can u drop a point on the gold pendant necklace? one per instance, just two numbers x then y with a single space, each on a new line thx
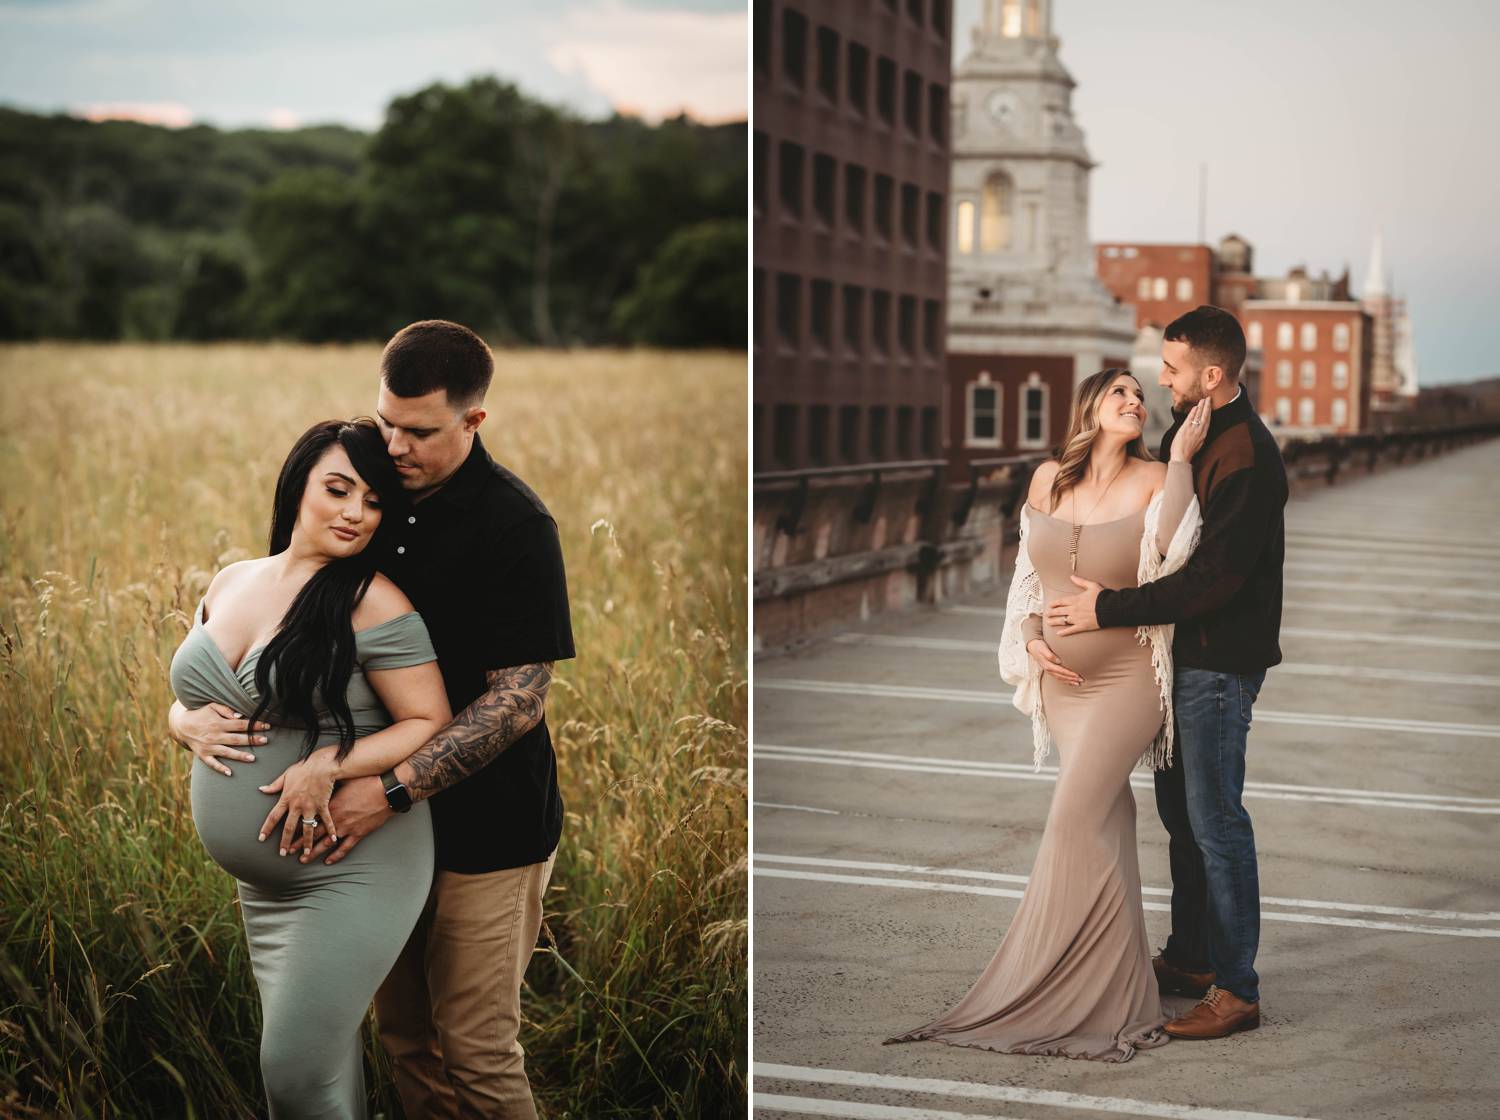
1078 525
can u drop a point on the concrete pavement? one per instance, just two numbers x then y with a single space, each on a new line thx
896 817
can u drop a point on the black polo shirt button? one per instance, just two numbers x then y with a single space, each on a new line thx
411 520
400 550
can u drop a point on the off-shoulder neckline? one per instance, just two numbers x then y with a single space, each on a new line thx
199 623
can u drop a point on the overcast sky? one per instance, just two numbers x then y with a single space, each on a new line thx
1320 123
283 63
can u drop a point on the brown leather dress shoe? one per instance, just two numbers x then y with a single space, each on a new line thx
1217 1015
1173 981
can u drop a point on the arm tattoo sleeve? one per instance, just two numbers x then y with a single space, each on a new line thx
510 707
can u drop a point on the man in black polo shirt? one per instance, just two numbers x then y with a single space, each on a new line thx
480 560
1226 604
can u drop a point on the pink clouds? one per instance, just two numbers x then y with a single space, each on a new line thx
656 64
172 114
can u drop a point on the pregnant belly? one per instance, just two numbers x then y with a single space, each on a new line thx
228 813
1098 655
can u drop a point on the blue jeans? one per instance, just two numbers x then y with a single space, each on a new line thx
1215 883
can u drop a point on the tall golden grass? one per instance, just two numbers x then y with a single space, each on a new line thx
128 475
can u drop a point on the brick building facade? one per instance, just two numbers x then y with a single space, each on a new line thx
1316 363
850 195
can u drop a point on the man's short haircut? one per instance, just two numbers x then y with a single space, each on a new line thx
1213 335
436 354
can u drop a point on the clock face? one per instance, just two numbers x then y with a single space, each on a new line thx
1003 107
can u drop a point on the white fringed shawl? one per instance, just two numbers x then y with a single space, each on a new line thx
1019 668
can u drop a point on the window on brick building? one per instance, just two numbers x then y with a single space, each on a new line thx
878 424
858 78
1283 410
1253 336
820 319
825 180
784 435
906 325
762 36
1309 336
937 112
1184 287
914 10
1283 336
1143 288
935 220
911 103
1341 336
929 433
1159 288
1340 412
790 162
983 413
760 169
911 205
817 435
885 90
1305 412
789 308
794 47
905 429
932 327
849 433
854 196
1309 374
885 197
758 306
1034 395
995 220
880 321
854 318
828 63
1341 375
963 227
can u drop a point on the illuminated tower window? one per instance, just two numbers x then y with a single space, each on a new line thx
994 226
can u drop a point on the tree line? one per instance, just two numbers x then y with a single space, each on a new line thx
473 202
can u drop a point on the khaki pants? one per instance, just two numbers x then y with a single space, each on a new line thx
450 1010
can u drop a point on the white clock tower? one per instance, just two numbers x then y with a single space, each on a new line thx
1021 277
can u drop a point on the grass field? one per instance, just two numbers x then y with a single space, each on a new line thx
131 474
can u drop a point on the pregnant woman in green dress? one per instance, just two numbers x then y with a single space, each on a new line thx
311 640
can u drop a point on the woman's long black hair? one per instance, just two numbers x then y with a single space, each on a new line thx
312 653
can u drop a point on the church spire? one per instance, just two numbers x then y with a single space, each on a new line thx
1375 276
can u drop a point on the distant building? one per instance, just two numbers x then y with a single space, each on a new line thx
1316 362
1160 281
850 194
1394 375
1027 316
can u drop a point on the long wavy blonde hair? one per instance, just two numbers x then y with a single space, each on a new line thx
1083 428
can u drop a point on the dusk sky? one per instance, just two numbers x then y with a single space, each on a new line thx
1319 123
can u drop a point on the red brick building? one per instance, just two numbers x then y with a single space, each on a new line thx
1006 404
1160 281
1317 359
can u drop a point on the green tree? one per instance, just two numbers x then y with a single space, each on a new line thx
692 292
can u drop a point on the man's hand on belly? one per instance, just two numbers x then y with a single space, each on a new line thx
360 807
1074 614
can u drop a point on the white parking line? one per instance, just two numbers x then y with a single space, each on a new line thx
797 808
1003 892
858 1110
974 645
1402 639
1162 892
1385 546
1015 1094
1400 612
1010 771
973 696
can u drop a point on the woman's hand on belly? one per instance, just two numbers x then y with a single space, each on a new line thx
214 732
304 791
1051 664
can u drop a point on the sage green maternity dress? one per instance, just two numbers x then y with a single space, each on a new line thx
321 938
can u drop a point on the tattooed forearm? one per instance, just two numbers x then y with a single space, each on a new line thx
510 707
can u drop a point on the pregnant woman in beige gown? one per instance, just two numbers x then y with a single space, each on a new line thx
1072 976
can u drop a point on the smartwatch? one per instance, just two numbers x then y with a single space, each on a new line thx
396 795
